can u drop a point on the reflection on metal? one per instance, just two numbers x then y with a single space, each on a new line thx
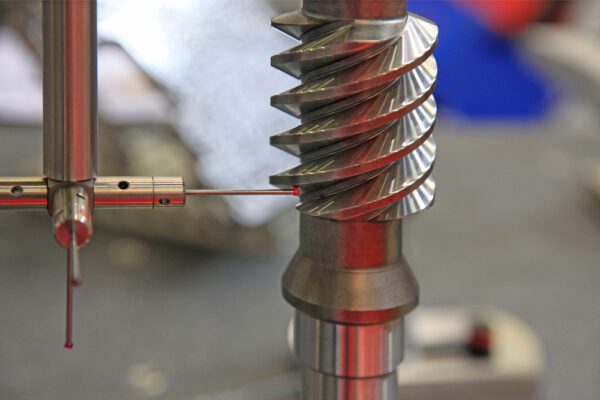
70 90
24 192
366 154
366 107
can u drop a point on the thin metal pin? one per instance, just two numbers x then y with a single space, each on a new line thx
76 278
72 265
244 192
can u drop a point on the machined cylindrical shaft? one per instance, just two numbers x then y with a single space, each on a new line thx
70 89
70 114
366 155
70 127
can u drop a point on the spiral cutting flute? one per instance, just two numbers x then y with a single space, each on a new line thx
366 155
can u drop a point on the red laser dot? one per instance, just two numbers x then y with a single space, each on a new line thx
296 191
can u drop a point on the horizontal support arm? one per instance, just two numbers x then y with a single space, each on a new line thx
23 193
120 192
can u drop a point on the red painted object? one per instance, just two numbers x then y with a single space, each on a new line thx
480 342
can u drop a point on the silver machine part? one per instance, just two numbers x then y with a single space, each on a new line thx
366 154
70 114
325 355
70 90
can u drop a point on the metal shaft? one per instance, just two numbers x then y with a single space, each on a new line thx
70 108
72 267
366 154
70 125
70 89
240 192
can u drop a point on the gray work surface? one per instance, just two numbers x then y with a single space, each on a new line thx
511 228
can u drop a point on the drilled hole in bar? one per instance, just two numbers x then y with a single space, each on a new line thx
123 185
16 191
164 201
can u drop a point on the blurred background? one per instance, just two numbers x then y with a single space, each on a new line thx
186 304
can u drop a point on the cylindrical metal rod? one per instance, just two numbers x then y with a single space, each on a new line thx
23 192
71 214
366 153
72 265
241 192
70 89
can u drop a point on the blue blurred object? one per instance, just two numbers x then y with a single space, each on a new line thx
482 75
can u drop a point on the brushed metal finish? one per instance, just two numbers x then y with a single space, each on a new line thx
70 90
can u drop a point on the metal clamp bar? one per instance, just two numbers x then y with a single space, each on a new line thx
120 192
23 193
139 192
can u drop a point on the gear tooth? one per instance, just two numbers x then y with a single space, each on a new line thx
411 134
324 49
402 96
295 23
365 142
416 202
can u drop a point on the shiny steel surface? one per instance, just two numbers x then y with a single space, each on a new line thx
366 155
70 89
350 272
319 386
124 191
140 191
349 339
367 114
70 125
71 211
72 267
237 192
25 192
168 191
120 192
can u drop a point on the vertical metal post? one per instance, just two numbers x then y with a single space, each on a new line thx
70 127
70 115
70 90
